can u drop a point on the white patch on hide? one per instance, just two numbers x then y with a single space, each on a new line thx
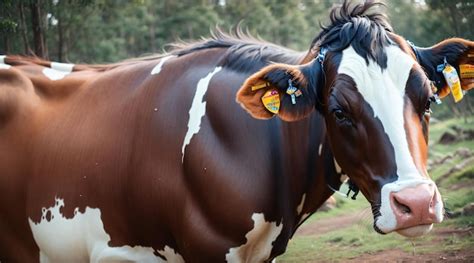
259 242
344 178
338 168
3 65
58 70
82 238
158 67
171 255
198 109
303 217
320 150
301 205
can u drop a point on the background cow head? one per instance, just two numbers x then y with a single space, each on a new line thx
374 91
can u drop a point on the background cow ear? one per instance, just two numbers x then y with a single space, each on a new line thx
268 92
458 52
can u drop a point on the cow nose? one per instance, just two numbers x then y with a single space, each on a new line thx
415 206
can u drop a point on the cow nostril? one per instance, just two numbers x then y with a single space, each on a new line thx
403 208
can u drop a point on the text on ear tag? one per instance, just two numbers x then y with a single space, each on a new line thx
271 101
466 71
452 79
260 86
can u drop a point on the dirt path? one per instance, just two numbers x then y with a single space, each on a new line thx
325 225
322 226
396 255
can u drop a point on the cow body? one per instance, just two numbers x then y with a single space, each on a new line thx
106 160
156 159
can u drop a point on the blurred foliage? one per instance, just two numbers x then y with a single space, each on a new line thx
99 31
102 31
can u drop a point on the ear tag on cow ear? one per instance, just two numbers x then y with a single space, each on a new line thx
260 86
298 93
452 78
466 71
292 91
271 100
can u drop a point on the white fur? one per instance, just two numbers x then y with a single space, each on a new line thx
303 217
158 67
198 109
344 178
259 241
170 255
338 168
384 91
3 65
58 70
82 238
320 150
299 208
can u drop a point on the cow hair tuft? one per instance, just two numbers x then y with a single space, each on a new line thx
244 53
364 26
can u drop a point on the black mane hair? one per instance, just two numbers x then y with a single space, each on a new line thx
244 52
363 26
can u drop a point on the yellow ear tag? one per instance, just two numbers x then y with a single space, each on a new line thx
260 86
452 78
271 100
467 71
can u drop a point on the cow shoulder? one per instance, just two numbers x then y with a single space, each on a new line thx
15 90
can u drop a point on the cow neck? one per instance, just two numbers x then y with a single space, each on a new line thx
307 166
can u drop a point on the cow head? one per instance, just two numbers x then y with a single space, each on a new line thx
374 91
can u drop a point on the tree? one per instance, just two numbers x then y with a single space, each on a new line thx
7 24
37 26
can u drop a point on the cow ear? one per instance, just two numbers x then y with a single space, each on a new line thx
457 52
285 90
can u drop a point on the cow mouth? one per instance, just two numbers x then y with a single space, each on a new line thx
376 213
413 231
377 229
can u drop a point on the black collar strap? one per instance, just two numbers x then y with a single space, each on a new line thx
435 84
415 50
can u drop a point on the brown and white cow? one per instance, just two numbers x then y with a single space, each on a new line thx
152 159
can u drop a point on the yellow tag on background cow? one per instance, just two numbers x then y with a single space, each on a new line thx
452 79
271 100
467 71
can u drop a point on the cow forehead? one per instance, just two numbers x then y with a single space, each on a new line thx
372 78
384 92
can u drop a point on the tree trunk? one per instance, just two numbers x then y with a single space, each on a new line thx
60 33
38 37
6 45
24 30
453 13
151 29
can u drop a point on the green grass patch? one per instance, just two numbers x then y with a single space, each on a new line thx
343 244
457 199
465 176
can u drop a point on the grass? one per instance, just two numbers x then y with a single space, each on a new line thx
360 238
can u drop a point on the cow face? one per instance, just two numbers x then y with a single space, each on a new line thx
377 119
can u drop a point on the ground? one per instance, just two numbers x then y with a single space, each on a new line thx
440 236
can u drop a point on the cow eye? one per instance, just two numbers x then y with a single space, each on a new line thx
340 116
